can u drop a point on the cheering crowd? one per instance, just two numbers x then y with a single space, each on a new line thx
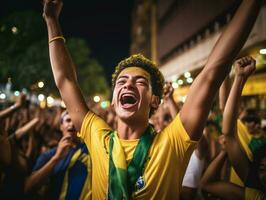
145 145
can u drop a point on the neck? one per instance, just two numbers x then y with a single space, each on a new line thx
128 131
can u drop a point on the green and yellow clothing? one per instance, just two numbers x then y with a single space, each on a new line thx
249 143
165 167
253 194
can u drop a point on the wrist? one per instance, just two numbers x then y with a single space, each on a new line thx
55 158
15 106
50 19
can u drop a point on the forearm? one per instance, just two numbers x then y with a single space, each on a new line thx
230 114
39 177
8 111
27 127
30 147
62 65
213 171
236 155
170 102
234 36
224 93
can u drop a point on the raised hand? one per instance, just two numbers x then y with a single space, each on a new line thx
168 90
63 146
21 100
245 66
52 8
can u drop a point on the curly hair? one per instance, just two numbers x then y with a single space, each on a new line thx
138 60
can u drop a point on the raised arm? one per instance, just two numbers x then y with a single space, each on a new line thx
202 92
243 68
38 177
211 182
169 99
26 128
9 111
62 65
224 93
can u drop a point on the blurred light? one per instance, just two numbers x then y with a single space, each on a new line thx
50 100
183 99
42 104
173 78
40 84
187 74
96 99
175 85
14 30
16 93
180 82
41 97
2 96
189 80
63 105
3 28
263 51
105 104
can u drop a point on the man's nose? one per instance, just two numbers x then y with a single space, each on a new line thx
129 83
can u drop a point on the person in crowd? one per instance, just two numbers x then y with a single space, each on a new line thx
66 169
134 161
251 173
14 162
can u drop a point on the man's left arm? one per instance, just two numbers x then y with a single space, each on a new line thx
202 92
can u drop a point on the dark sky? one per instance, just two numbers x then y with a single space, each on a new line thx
104 24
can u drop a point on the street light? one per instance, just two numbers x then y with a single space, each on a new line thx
2 96
263 51
180 82
40 84
41 97
96 99
187 74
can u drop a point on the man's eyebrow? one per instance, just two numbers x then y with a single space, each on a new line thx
123 76
135 77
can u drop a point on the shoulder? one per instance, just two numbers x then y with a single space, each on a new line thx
44 158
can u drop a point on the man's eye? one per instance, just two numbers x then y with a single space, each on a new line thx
142 82
121 82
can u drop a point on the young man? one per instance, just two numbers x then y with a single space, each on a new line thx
134 161
67 167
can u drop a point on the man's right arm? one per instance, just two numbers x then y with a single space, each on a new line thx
62 65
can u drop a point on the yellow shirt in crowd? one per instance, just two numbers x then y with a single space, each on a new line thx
253 194
244 138
167 160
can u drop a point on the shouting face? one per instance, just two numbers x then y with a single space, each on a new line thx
132 96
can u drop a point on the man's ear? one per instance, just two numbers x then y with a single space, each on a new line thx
155 101
112 102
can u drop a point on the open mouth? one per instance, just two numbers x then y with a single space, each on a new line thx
71 130
128 100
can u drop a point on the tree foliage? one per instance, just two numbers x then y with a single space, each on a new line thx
24 56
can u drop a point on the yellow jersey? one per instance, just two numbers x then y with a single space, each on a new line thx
164 170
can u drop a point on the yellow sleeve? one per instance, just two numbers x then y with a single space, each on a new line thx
179 138
244 138
234 178
92 127
253 194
